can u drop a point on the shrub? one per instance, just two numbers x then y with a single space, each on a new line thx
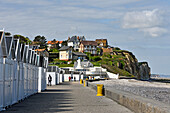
96 58
54 50
117 48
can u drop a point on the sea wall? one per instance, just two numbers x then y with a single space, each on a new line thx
133 102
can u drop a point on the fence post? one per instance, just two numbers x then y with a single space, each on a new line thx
4 83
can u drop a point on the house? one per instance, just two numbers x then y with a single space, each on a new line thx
107 50
88 46
77 55
102 42
42 52
54 44
42 57
74 41
65 53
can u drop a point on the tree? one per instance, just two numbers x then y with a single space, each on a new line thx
22 39
98 51
117 48
54 50
54 40
96 58
89 57
7 34
40 40
64 43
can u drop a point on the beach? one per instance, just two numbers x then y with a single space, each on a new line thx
148 89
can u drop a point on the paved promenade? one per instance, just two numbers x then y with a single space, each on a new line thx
69 97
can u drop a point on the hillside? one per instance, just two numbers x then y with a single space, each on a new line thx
126 64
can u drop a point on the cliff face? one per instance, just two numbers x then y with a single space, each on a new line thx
144 71
140 70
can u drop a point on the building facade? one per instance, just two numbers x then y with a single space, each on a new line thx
88 46
102 42
65 53
107 51
74 42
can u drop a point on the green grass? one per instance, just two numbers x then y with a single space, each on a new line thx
63 65
96 63
116 70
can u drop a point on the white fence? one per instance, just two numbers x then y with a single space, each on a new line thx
41 78
19 80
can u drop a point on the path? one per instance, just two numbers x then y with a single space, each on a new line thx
69 97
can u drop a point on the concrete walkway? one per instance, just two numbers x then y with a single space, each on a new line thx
68 97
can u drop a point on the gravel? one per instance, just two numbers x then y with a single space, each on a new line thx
152 90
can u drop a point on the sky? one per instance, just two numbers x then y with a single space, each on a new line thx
140 26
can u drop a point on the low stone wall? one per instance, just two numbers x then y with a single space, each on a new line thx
92 86
135 103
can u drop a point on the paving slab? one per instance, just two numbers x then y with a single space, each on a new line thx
69 97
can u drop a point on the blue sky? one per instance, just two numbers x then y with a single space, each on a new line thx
140 26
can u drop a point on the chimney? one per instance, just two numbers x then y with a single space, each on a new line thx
68 38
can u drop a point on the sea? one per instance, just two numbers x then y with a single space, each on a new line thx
160 76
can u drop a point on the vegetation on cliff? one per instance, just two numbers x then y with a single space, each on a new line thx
122 62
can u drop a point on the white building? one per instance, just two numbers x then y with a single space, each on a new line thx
65 53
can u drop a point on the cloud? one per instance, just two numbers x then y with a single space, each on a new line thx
154 31
98 3
150 22
142 19
28 2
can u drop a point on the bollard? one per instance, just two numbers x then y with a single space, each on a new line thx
84 81
99 90
81 81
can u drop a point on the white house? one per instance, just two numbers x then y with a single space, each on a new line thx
65 53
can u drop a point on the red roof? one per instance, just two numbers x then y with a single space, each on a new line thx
52 42
60 42
39 49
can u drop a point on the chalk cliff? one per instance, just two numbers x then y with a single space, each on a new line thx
126 61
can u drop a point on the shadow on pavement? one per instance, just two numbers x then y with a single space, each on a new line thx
51 100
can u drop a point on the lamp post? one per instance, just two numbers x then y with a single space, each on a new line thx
84 70
100 70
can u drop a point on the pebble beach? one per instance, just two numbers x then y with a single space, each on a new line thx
148 89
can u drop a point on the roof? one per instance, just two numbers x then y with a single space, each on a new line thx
40 50
76 38
60 42
64 48
89 43
54 42
73 38
101 39
79 54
